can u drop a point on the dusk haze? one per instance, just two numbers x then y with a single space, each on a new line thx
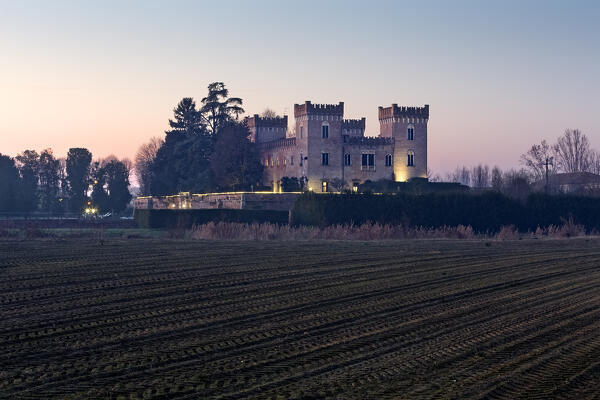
300 200
106 75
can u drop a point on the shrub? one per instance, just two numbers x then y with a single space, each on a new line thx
483 212
508 232
176 220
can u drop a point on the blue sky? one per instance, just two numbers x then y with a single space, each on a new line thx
499 76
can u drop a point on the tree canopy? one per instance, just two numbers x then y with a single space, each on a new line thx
78 175
205 149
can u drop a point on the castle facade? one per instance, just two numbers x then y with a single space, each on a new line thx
328 151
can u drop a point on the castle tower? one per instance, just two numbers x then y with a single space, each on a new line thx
266 129
408 127
319 141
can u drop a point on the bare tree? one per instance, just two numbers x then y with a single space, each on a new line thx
480 176
432 177
497 179
143 159
268 113
594 162
534 160
572 152
461 175
516 184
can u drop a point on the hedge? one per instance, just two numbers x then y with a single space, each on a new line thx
485 211
170 219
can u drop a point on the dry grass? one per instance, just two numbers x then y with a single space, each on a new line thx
267 231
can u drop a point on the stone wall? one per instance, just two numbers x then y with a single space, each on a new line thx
234 200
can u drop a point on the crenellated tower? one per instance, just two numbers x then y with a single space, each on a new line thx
319 139
408 127
354 127
267 129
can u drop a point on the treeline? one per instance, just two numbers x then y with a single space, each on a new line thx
34 182
485 212
207 149
570 153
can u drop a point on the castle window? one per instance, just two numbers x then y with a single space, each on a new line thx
410 133
301 159
388 160
347 160
300 132
324 187
324 158
368 162
410 162
325 131
291 160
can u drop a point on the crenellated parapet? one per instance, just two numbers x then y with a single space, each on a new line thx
411 112
276 122
318 109
278 143
354 123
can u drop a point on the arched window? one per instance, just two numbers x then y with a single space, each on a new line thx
410 132
388 160
410 161
324 187
325 130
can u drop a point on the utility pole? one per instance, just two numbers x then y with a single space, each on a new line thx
548 162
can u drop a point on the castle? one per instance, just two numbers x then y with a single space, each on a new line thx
328 150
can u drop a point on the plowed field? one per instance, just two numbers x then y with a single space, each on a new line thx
281 320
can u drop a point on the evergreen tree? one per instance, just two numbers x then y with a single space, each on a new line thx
182 162
28 163
218 108
48 175
235 161
78 175
110 192
117 184
9 184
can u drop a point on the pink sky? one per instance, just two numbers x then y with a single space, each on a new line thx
107 76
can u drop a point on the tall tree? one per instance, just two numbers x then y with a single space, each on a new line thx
235 160
28 163
572 152
594 162
480 176
9 184
111 186
116 174
497 179
187 119
218 108
78 175
534 160
182 161
143 163
48 175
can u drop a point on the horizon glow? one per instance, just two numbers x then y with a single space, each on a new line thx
498 77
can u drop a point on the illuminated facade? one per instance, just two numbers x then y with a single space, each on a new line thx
327 151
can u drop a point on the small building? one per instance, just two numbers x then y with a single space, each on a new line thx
572 182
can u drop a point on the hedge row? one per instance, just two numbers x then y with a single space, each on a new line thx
485 212
170 219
